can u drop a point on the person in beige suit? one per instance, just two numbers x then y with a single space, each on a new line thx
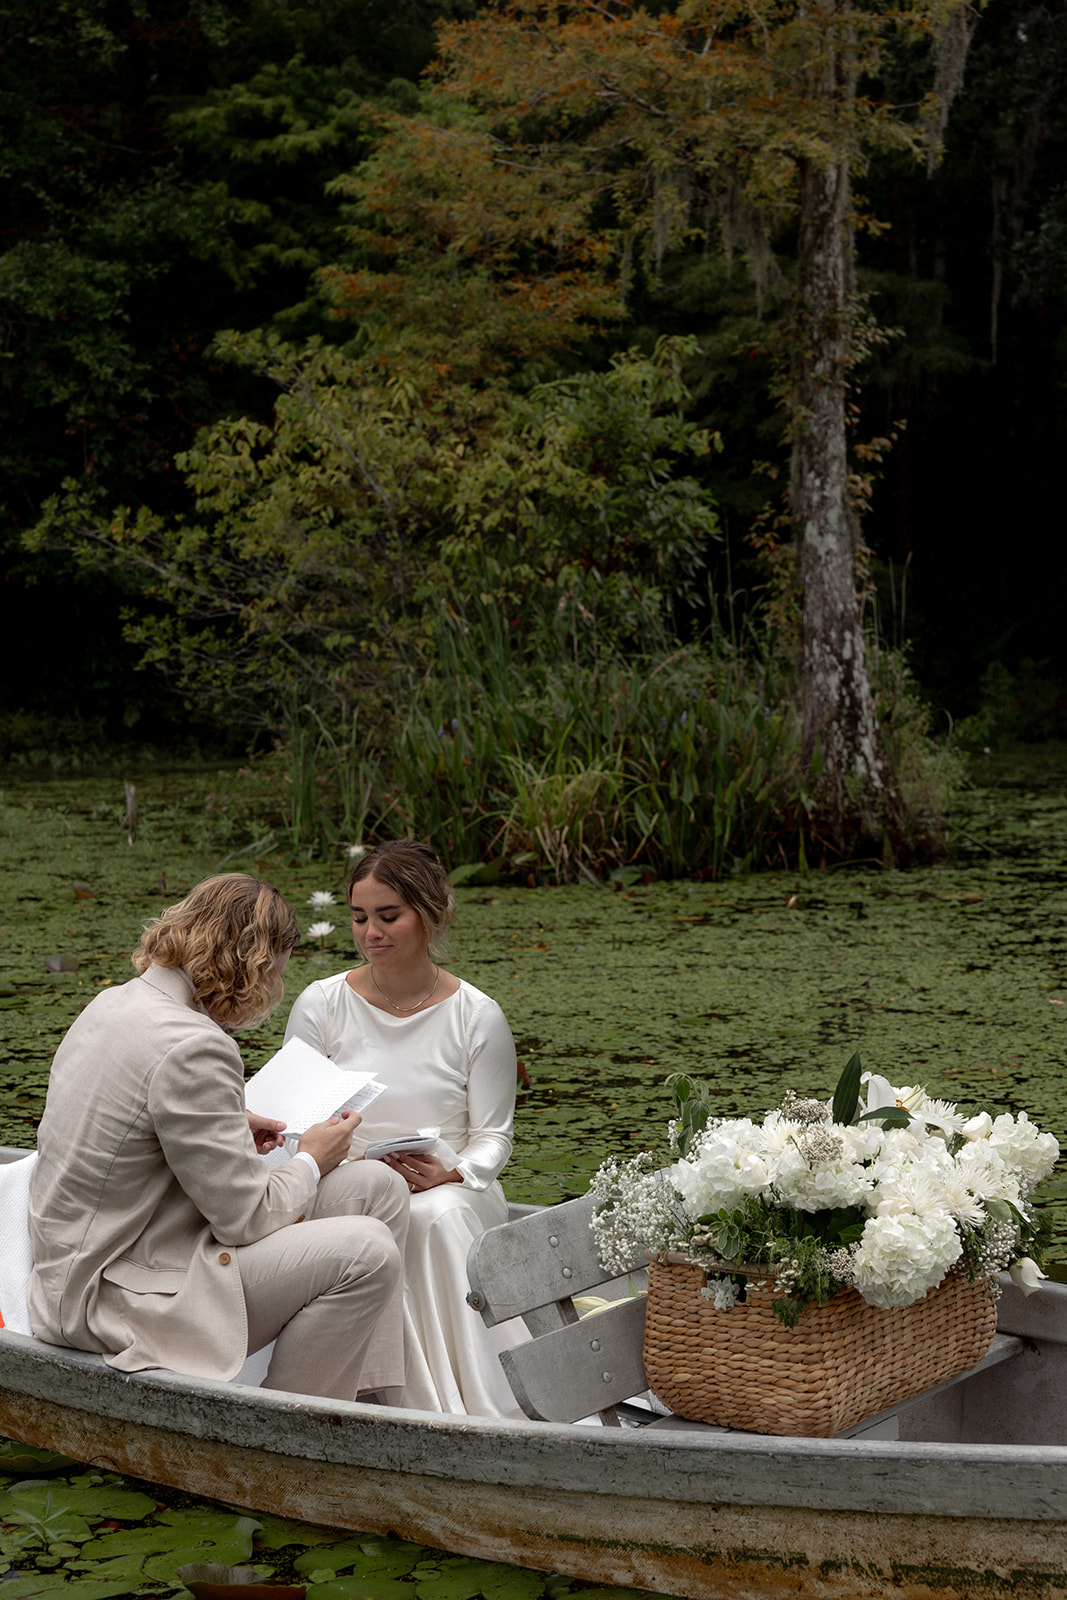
160 1237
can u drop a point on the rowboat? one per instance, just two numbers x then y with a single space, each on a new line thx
959 1494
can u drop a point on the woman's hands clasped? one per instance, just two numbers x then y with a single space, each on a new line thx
422 1171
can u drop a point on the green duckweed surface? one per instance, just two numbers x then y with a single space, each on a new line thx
953 976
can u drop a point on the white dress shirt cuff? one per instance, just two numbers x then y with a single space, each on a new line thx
305 1155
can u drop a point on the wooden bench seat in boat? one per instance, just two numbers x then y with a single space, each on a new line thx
577 1366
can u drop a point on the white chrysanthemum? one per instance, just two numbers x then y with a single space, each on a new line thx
899 1258
319 899
915 1189
1029 1153
986 1174
721 1168
960 1199
821 1186
942 1115
778 1133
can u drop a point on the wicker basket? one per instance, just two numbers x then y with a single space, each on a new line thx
842 1362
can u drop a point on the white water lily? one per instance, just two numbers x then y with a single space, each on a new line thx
1026 1274
355 852
319 930
319 899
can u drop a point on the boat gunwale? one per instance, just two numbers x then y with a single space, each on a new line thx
1016 1482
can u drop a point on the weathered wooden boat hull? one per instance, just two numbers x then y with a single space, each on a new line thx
730 1517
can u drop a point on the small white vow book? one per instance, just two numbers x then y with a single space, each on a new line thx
411 1144
299 1086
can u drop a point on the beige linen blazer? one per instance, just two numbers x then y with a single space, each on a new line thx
147 1178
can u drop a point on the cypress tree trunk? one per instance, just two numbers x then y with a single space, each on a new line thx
838 704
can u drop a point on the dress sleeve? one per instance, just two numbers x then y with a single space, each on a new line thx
307 1021
490 1097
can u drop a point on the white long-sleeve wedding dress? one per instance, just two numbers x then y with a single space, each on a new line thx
453 1066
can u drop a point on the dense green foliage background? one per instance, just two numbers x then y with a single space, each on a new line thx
170 172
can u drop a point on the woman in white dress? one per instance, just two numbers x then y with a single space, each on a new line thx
445 1051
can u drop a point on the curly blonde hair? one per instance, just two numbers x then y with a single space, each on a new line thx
414 872
228 936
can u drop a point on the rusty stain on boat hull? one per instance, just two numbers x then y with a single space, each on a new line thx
705 1552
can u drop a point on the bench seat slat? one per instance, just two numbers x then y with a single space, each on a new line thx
583 1368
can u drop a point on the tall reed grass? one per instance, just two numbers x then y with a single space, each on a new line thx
683 762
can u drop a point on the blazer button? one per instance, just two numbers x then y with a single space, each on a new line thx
224 1259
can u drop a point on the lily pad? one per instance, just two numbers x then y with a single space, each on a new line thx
23 1458
377 1560
127 1505
28 1585
464 1579
360 1587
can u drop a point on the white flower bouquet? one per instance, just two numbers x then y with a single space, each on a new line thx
885 1192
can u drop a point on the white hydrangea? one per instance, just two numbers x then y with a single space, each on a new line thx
1029 1153
822 1185
914 1188
900 1257
724 1164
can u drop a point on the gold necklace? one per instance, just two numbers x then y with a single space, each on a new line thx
418 1003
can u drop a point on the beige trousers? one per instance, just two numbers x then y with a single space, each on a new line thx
330 1289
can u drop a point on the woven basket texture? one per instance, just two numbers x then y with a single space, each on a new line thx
841 1363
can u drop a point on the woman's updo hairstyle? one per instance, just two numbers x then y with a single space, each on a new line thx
228 936
414 872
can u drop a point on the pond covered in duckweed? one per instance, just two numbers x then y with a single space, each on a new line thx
953 976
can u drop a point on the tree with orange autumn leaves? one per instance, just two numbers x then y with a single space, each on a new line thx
564 143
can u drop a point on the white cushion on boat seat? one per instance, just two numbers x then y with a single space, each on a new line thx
16 1258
